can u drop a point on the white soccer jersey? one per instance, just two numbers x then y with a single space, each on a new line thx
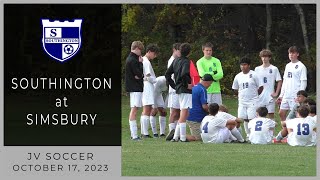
210 127
147 68
247 86
294 73
225 116
302 131
171 90
148 88
268 75
260 132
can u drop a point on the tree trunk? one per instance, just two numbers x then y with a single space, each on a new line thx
268 27
304 28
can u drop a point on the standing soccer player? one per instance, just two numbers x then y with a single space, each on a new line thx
294 79
269 75
248 87
148 89
211 65
173 99
182 84
261 128
159 105
134 84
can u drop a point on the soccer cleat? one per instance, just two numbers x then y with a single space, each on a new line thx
162 135
184 141
275 141
146 136
155 135
170 135
136 139
174 140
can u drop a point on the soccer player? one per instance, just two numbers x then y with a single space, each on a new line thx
134 84
159 105
301 97
199 107
214 129
211 65
173 99
313 115
301 129
248 86
235 132
148 88
261 128
182 84
269 75
294 79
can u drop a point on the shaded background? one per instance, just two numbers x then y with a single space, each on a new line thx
98 57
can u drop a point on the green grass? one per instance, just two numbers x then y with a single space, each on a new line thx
157 157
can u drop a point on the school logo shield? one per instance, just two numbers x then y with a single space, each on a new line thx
61 40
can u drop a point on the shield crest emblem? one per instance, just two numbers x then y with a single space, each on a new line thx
61 40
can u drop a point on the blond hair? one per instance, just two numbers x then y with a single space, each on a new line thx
137 44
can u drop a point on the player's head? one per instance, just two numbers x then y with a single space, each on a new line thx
265 55
301 96
137 47
309 101
213 109
313 109
207 49
223 108
152 51
206 80
185 49
262 112
303 111
293 53
245 64
175 50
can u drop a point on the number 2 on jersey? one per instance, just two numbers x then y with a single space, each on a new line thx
305 129
258 126
205 127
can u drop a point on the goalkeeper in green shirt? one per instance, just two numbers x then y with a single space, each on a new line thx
211 65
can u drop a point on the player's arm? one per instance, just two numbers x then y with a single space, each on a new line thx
279 84
303 78
185 73
219 74
259 83
168 74
292 113
283 85
235 85
201 69
135 66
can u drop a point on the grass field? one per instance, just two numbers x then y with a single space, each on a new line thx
157 157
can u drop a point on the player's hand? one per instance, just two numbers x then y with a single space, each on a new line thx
274 95
136 77
278 101
190 86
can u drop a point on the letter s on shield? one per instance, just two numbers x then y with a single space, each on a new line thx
61 40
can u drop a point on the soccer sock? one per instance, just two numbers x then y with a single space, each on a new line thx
237 134
171 126
153 123
177 132
279 136
141 125
246 129
133 129
146 120
162 122
183 131
240 130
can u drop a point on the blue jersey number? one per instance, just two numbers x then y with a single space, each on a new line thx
258 126
205 127
265 80
305 129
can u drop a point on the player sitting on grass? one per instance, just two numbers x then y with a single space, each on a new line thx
261 128
313 115
214 129
235 132
300 129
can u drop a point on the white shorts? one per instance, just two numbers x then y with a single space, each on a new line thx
173 101
247 110
135 99
287 104
159 101
270 106
185 101
148 94
214 98
223 135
